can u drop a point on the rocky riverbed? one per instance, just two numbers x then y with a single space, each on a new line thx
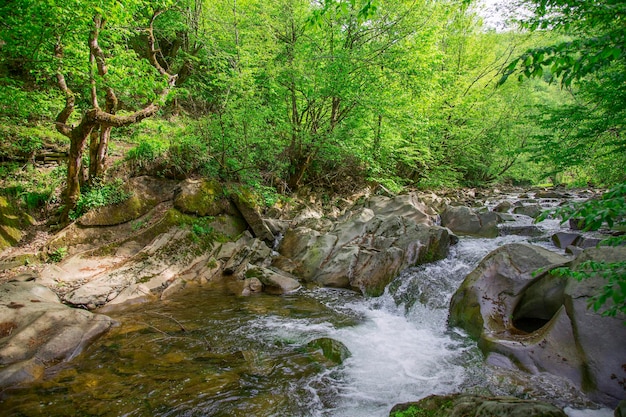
146 262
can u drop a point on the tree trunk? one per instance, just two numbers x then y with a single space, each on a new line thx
97 152
300 166
78 139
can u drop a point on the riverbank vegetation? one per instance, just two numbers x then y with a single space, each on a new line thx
328 94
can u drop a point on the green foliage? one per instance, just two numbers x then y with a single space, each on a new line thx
100 195
612 293
58 254
145 155
610 211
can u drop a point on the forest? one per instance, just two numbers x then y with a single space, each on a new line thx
326 94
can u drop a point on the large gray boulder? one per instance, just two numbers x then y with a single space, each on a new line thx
37 331
368 248
539 322
465 221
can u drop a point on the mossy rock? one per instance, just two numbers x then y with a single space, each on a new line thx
332 350
131 209
147 192
12 223
460 405
203 198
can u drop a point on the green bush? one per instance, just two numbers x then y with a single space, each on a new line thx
100 196
145 154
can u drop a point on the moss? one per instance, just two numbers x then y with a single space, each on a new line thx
12 221
433 406
207 199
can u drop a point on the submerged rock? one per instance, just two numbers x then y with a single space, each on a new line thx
332 350
461 405
37 331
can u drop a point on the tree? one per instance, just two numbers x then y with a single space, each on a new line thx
89 45
590 61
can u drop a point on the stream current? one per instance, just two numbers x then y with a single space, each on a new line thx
211 352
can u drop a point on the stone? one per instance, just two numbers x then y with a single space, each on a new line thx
464 405
563 239
531 230
203 198
503 207
246 205
275 282
541 322
252 286
147 192
530 210
37 331
463 220
364 251
551 194
331 350
405 205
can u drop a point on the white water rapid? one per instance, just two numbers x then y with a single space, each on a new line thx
402 349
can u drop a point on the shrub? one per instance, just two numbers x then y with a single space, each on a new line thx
100 196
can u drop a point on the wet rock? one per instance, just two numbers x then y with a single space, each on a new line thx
364 251
276 282
486 299
563 239
37 331
573 250
465 221
332 350
503 207
552 194
543 323
530 210
252 286
530 231
462 405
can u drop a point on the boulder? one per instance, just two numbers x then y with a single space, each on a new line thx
530 210
463 405
365 251
503 207
539 322
37 331
331 350
275 282
563 239
406 205
463 220
250 211
203 198
147 192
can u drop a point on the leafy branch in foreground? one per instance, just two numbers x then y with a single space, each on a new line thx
610 209
614 289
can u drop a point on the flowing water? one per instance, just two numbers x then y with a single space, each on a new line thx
211 352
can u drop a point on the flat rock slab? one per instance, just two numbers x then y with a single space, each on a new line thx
37 331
